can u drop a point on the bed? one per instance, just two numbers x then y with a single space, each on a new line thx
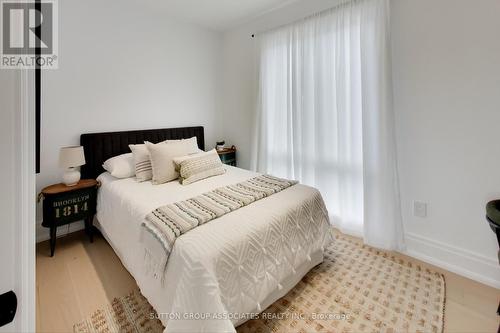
219 274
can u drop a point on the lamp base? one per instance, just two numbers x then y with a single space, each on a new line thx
71 177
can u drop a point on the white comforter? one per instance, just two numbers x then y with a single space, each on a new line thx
222 272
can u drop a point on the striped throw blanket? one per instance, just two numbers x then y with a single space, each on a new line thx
171 221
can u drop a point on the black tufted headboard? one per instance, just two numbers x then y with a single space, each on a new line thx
98 147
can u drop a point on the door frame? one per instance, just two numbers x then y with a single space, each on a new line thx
25 210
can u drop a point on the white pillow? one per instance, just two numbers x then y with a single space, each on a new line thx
200 166
121 166
162 159
142 163
191 145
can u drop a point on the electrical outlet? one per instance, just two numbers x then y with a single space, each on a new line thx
419 209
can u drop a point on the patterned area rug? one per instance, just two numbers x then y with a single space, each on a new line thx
356 289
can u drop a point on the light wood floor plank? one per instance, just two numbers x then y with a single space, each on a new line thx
84 277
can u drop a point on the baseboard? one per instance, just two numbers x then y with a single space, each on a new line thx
457 260
43 234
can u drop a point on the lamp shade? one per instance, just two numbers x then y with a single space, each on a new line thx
71 157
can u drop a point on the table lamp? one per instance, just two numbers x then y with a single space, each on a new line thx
70 158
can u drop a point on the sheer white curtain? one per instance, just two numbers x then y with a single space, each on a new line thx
325 115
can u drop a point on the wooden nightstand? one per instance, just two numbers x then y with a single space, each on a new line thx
66 204
228 155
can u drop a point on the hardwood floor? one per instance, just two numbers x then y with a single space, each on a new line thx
78 280
83 277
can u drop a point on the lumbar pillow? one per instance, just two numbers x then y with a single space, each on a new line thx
162 159
121 166
143 169
179 160
200 166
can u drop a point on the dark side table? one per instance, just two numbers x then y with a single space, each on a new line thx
228 155
67 204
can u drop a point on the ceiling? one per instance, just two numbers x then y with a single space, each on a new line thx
216 14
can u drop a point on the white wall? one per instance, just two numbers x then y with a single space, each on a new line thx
446 65
121 67
447 104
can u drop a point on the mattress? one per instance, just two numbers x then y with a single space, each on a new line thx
226 271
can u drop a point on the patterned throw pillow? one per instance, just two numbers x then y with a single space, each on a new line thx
143 168
200 166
